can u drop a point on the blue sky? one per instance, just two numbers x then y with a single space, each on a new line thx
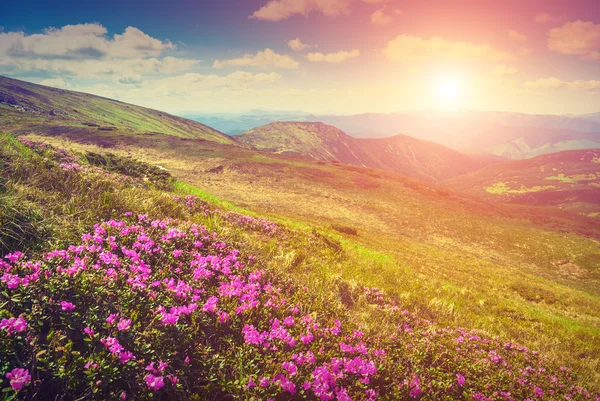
350 56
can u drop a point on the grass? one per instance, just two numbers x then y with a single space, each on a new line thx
56 109
462 268
453 259
450 258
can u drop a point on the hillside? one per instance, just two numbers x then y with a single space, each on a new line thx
569 179
511 135
400 153
528 274
27 107
138 292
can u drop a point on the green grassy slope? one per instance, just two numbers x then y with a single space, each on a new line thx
528 274
300 273
27 107
414 157
569 180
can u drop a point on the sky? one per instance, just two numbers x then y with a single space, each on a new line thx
319 56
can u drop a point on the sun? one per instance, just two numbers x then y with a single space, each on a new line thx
449 92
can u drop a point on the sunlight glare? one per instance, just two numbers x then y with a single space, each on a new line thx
449 92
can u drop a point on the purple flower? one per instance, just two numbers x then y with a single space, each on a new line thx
18 378
124 324
11 280
211 304
538 392
155 383
415 386
460 379
67 306
112 318
14 325
288 385
126 356
290 367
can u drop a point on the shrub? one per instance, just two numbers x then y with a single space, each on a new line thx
345 230
160 178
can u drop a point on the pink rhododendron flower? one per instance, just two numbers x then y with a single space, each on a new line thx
460 379
18 378
11 280
14 325
154 383
538 392
67 306
415 386
124 324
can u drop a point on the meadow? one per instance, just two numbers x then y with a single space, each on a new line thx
138 284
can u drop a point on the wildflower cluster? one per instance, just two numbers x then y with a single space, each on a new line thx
70 164
143 308
259 225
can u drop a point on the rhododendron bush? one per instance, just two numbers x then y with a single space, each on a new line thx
161 308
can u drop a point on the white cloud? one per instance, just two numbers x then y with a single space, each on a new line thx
56 83
98 68
297 45
82 41
337 57
516 36
577 38
543 18
277 10
380 17
414 49
504 69
86 51
182 89
553 83
265 58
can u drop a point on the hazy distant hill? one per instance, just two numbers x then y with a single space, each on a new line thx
234 124
27 107
569 179
512 135
400 153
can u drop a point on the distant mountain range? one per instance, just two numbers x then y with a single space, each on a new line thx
400 153
553 176
510 135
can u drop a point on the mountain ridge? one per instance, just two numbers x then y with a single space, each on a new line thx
29 107
400 153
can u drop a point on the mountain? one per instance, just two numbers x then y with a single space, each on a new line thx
511 135
400 153
506 134
569 179
28 107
